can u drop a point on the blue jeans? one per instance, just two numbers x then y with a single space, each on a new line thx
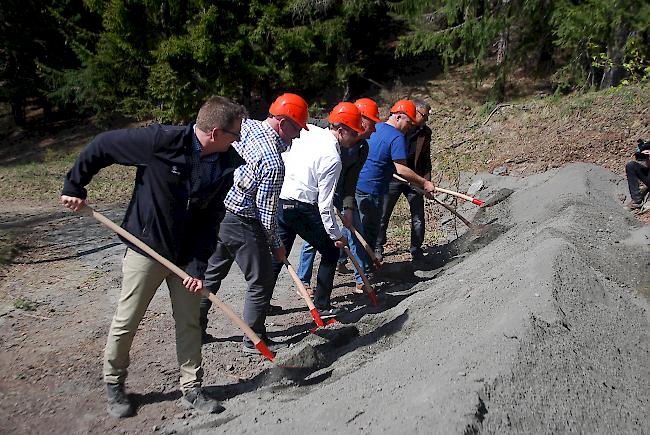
299 218
308 255
369 208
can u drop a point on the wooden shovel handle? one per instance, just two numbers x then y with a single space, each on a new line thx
301 287
441 190
87 210
363 242
367 288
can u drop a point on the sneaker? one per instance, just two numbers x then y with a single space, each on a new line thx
342 268
119 404
358 289
196 399
330 312
634 205
273 346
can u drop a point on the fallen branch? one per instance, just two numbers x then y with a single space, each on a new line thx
499 106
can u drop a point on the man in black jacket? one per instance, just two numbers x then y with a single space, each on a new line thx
183 174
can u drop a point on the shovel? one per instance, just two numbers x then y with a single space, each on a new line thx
310 304
471 199
367 288
363 242
257 341
471 226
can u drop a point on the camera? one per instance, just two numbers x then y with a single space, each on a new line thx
642 145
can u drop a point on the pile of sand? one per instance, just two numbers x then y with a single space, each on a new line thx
543 329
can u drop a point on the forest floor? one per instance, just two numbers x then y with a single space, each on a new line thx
537 322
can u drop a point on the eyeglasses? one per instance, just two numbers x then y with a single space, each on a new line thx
235 134
347 129
424 115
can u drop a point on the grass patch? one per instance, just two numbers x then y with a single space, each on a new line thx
43 182
25 304
8 247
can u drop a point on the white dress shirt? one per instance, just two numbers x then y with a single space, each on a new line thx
312 168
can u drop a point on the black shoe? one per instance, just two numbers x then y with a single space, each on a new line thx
331 312
274 310
273 346
119 404
342 268
417 256
196 399
379 255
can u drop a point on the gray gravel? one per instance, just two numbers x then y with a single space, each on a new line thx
543 329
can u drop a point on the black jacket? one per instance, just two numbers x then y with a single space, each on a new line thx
179 225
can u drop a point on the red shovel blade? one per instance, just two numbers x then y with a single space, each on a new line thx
316 328
261 346
316 316
477 202
373 297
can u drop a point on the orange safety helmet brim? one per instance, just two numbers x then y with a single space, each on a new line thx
347 114
368 108
292 106
404 106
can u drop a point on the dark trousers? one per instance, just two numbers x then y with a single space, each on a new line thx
370 207
242 240
637 171
299 218
416 205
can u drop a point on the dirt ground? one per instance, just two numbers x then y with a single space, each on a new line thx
535 323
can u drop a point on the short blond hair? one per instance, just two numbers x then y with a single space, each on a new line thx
219 112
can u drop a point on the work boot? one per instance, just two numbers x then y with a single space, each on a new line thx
196 399
379 255
358 288
119 404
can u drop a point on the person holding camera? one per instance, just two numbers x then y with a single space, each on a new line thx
638 170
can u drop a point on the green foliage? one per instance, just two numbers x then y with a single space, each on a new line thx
8 247
578 40
162 58
586 34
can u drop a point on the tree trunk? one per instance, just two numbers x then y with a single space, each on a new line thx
613 74
18 112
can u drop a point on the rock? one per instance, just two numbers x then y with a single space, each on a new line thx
475 187
155 428
500 170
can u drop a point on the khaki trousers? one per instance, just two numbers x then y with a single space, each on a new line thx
141 278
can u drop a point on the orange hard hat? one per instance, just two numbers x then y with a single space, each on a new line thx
404 106
347 114
293 106
368 108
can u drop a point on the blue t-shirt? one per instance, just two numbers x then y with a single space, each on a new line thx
385 145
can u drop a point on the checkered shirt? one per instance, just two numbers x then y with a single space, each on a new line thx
258 182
